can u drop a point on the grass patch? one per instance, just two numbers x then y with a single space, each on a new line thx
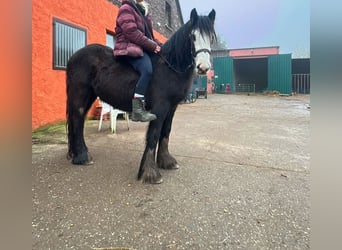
56 133
52 133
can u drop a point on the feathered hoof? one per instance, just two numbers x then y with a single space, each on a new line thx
175 167
83 163
88 163
167 162
83 159
152 176
153 180
170 166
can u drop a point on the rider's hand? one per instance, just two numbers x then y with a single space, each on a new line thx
157 49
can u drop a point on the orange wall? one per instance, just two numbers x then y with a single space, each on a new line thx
48 85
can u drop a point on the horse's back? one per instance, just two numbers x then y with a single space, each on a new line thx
90 56
95 69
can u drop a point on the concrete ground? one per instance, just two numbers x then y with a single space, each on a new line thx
243 182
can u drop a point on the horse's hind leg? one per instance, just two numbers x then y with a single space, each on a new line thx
78 104
164 159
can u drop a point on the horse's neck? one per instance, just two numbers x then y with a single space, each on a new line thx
179 63
177 51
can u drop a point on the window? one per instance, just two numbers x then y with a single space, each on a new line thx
168 14
110 40
67 39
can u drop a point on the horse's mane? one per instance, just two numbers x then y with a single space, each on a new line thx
178 49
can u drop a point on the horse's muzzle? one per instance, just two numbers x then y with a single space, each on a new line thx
202 69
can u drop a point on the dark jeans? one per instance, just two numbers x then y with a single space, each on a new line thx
144 66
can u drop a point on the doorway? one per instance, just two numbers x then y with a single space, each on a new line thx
250 74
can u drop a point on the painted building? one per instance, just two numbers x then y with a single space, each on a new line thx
59 28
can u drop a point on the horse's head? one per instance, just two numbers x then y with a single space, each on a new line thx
202 36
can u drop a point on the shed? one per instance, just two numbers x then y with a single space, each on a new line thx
253 70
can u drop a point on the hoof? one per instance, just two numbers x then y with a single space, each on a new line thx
84 160
88 163
153 181
167 161
175 167
83 163
152 176
170 166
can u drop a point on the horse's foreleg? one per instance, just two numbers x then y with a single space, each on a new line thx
148 170
164 159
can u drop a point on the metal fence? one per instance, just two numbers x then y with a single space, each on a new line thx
245 87
301 83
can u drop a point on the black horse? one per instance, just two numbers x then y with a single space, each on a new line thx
93 71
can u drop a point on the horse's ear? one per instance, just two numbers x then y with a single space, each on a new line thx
193 16
212 15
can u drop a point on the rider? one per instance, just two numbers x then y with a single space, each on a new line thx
134 42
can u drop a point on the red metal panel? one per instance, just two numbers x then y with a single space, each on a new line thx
250 52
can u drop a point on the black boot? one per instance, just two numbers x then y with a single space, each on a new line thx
139 114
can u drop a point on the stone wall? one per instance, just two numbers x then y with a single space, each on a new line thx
159 16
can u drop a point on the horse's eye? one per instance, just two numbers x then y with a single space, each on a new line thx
193 37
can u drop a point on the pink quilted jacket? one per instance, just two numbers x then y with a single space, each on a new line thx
130 32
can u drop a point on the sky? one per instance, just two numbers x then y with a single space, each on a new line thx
259 23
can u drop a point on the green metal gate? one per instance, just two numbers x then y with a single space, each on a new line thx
279 73
224 74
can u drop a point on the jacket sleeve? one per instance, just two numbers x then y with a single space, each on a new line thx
126 20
